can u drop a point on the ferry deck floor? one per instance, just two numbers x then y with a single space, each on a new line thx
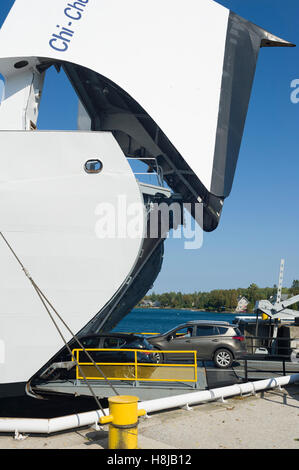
208 376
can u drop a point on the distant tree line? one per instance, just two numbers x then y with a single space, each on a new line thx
221 299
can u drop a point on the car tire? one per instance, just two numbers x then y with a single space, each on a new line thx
223 358
157 357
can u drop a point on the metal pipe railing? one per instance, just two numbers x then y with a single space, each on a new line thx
63 423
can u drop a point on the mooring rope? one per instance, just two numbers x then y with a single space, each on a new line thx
75 337
45 301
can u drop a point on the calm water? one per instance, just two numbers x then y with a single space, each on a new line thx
155 320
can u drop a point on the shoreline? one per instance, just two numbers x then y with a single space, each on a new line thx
193 310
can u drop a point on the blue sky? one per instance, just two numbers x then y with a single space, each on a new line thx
260 220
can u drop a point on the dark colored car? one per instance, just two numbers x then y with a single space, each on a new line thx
213 340
63 366
117 341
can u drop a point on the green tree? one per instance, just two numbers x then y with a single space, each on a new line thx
252 293
295 287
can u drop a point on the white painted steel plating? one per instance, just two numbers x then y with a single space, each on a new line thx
49 210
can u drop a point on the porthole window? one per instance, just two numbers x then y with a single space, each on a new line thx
93 166
21 64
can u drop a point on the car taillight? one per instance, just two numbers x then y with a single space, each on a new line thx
239 338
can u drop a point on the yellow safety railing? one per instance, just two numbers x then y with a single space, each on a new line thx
146 333
138 371
136 333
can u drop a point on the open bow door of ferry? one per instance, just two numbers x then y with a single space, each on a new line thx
158 84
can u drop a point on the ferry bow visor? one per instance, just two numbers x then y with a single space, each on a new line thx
243 42
187 114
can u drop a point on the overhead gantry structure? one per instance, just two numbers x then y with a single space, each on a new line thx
278 310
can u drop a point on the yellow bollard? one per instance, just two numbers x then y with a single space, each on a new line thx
123 422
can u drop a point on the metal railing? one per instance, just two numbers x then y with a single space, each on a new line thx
137 371
275 347
136 333
251 369
157 170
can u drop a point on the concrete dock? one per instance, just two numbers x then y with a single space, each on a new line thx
268 420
